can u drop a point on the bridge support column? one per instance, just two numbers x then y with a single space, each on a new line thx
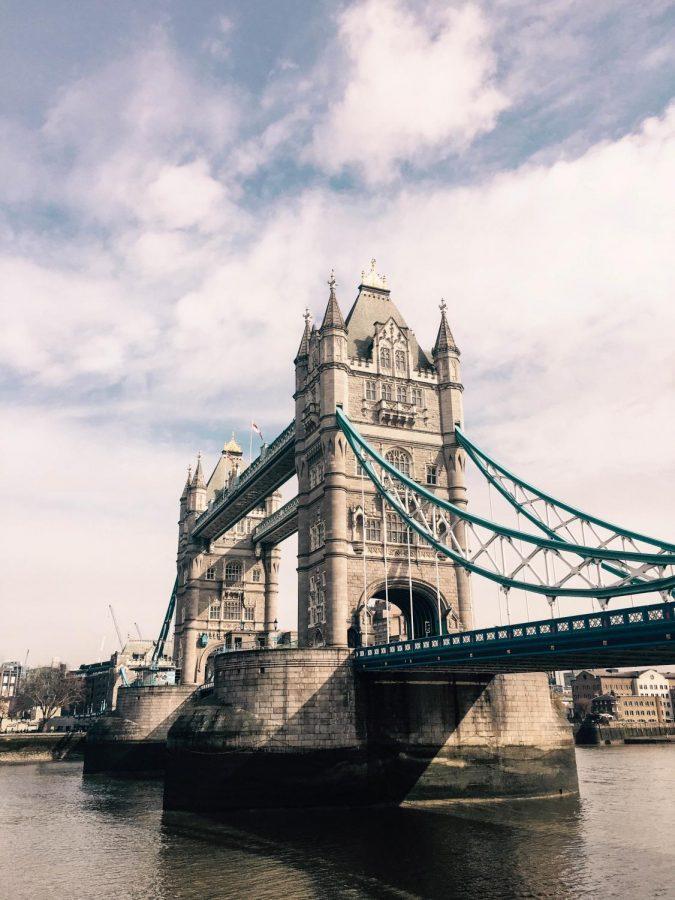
271 559
335 556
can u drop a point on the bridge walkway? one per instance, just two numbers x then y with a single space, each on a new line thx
274 466
633 636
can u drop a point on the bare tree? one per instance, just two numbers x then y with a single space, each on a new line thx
47 690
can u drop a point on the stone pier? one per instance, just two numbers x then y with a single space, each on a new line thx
132 739
301 728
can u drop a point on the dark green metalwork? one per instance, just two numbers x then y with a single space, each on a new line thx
358 444
619 636
475 453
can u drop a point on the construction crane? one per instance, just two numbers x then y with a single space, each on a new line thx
117 627
140 636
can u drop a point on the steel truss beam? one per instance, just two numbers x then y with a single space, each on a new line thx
512 558
559 520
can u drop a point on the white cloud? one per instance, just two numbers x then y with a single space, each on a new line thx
418 87
183 197
139 137
183 302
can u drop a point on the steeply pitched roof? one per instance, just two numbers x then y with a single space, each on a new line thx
375 305
333 315
444 339
187 484
303 349
198 477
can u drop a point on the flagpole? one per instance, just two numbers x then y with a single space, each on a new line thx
250 444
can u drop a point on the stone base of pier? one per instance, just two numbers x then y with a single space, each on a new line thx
131 741
289 728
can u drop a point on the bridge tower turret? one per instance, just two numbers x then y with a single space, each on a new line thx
196 499
446 360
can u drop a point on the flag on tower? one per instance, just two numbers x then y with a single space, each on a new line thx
255 428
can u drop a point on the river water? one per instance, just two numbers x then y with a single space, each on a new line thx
65 836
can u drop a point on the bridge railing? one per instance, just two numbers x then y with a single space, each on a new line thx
271 522
266 456
569 625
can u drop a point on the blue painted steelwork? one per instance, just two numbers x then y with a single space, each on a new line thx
528 509
363 450
477 455
619 636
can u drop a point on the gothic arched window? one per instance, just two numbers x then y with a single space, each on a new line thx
387 391
400 459
401 361
385 358
402 393
233 572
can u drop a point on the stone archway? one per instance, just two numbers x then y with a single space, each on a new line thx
425 612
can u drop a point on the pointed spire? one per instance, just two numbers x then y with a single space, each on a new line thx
303 349
444 341
332 317
198 478
187 483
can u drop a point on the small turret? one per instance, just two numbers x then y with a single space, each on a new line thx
333 331
197 490
303 349
446 353
333 316
444 340
184 501
183 496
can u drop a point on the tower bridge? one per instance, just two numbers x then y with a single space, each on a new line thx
391 692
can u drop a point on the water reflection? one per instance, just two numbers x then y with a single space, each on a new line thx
68 836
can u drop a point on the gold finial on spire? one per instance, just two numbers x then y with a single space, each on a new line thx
307 316
331 281
443 306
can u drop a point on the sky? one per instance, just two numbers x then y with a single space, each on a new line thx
178 181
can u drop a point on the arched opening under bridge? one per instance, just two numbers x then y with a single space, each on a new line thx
424 607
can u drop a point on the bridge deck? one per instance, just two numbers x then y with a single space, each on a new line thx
274 466
633 636
277 527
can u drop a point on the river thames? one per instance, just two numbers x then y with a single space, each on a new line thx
62 836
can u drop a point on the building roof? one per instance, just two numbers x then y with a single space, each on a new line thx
374 304
606 673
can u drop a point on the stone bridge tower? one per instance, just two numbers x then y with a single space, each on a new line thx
226 593
406 403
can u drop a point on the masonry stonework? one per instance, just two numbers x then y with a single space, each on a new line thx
300 728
